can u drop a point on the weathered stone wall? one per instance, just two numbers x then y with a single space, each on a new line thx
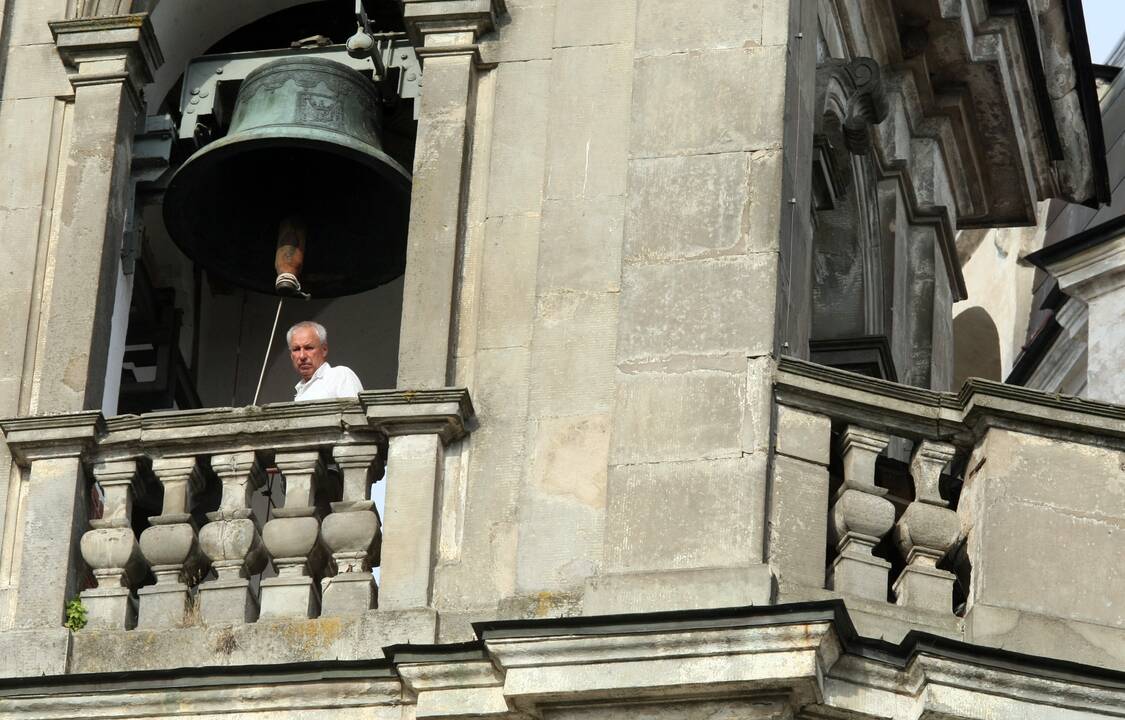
1045 540
622 257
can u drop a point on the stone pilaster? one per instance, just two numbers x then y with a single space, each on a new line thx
927 530
109 59
420 424
1091 268
445 33
860 517
232 542
54 511
171 546
111 549
353 534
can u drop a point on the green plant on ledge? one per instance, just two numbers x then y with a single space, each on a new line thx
75 614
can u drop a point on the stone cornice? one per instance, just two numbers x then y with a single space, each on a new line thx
446 412
427 17
52 436
1093 271
115 49
927 414
278 426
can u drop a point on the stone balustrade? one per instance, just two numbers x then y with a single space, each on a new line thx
185 530
902 500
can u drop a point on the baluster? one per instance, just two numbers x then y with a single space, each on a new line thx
293 540
352 534
171 546
927 530
111 549
231 541
861 516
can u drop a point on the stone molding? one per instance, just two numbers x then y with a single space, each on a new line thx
1092 272
853 91
804 659
428 17
108 50
958 418
177 437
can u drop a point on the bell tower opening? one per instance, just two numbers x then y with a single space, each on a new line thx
288 175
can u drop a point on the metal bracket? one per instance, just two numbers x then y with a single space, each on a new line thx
211 81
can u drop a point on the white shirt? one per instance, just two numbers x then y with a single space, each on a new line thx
328 382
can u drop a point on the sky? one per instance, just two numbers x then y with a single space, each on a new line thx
1105 22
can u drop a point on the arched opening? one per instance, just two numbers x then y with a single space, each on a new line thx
195 340
976 347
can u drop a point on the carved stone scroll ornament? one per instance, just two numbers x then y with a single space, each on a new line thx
854 93
850 100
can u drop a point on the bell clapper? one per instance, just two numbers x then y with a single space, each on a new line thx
290 256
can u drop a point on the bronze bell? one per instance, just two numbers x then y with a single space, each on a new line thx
301 172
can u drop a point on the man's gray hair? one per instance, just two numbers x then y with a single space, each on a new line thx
320 331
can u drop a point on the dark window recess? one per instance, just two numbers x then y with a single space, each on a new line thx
154 375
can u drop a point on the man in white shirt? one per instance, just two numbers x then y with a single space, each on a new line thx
308 349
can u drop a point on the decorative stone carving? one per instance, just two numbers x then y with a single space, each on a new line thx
293 539
861 516
171 547
853 92
232 542
927 530
352 533
111 549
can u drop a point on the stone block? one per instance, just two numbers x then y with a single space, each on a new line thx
31 653
581 245
803 435
414 474
1006 558
288 597
859 575
111 608
798 521
29 22
507 299
347 594
679 515
588 137
678 416
698 308
1034 634
764 215
164 605
519 138
35 71
573 353
594 22
665 27
25 142
688 207
226 602
526 33
500 383
562 512
711 102
659 591
757 410
925 587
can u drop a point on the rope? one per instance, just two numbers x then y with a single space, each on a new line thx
269 347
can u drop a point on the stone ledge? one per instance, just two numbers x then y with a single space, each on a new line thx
678 590
263 642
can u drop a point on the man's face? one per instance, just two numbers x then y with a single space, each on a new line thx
307 352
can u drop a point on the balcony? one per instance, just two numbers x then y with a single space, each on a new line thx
922 510
186 509
945 512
